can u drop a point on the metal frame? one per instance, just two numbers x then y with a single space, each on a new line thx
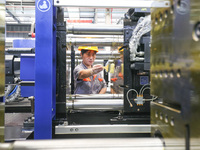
101 129
113 3
45 70
45 61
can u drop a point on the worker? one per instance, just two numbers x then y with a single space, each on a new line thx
87 77
117 77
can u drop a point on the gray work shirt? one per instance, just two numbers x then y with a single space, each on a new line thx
90 85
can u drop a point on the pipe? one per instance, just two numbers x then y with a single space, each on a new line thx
97 61
100 53
94 96
85 143
103 55
95 29
95 36
95 104
19 50
94 42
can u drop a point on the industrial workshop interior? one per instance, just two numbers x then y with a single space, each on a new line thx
100 74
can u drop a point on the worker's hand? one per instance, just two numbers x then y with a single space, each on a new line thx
96 69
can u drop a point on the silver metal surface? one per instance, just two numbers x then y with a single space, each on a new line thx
95 104
14 126
94 42
94 96
19 50
2 66
113 3
2 47
99 54
95 29
100 129
2 110
97 60
88 144
95 36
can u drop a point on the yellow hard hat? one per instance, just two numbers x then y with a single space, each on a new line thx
121 48
89 48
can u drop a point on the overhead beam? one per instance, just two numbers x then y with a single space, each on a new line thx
113 3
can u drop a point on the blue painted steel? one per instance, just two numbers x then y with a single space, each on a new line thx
45 68
27 73
27 67
144 80
27 91
24 43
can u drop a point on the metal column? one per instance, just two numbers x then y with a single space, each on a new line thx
61 65
72 68
2 67
45 68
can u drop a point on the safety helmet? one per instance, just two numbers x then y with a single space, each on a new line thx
89 48
121 49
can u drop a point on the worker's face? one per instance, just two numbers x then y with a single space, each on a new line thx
88 58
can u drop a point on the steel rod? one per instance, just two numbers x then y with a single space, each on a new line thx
95 104
95 96
85 144
95 42
95 29
100 53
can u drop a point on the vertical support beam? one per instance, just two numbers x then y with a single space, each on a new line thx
61 65
108 16
72 68
2 67
128 80
45 68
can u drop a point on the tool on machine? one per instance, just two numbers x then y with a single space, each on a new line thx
106 67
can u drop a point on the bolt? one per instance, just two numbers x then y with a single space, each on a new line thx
156 114
197 30
172 122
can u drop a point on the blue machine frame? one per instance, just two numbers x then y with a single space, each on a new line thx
45 68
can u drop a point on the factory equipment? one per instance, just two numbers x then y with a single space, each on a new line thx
80 111
136 66
174 82
52 109
175 72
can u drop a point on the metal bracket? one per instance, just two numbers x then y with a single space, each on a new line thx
99 129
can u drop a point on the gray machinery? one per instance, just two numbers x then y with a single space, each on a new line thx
175 60
2 68
174 72
84 113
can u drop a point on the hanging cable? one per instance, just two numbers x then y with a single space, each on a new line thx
128 98
142 88
145 89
